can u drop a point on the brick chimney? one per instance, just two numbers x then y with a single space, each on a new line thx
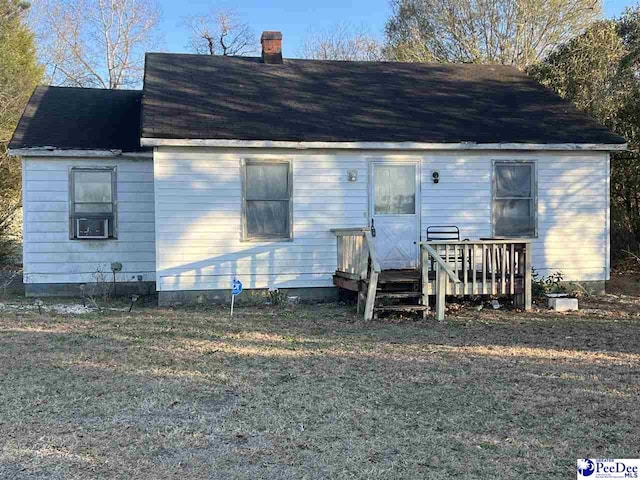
271 47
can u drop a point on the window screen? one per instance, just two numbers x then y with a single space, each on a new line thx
514 199
267 200
92 211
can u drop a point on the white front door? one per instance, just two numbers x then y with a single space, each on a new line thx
394 209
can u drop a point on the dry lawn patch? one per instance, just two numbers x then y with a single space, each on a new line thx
312 392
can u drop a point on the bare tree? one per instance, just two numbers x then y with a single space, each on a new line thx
220 32
342 42
514 32
95 43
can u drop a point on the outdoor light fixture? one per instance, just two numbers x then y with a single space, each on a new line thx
352 175
435 176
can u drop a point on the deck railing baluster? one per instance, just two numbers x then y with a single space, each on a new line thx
473 260
503 267
493 269
512 260
465 268
484 269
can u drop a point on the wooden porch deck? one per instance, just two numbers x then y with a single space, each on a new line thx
400 276
455 268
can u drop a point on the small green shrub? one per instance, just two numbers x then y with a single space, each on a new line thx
278 298
541 285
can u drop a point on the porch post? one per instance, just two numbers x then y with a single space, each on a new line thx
424 277
527 275
441 288
371 296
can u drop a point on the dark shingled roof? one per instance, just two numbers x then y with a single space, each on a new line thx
240 98
80 118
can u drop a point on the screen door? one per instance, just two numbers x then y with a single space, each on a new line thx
394 208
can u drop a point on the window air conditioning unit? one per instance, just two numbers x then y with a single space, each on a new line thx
92 228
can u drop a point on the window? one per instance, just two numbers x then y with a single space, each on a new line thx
394 189
514 199
266 211
92 203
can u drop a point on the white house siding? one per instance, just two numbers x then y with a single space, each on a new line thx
573 205
198 219
198 212
51 257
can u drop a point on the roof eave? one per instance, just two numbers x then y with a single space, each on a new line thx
71 152
184 142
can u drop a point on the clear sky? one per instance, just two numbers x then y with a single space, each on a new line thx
295 18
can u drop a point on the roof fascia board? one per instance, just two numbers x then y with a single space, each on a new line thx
54 152
178 142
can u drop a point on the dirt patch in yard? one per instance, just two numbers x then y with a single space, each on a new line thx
626 284
313 392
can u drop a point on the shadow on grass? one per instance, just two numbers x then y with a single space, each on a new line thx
316 393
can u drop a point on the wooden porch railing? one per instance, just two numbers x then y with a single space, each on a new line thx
442 275
458 268
357 262
482 267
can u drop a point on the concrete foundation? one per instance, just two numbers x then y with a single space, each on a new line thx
594 287
250 297
74 290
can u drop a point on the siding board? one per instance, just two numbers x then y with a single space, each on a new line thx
51 257
189 229
199 198
572 205
199 242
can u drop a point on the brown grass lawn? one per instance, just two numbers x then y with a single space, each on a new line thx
312 392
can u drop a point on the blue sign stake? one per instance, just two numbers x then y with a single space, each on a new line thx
236 289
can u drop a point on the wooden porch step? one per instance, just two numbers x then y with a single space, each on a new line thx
399 276
382 294
401 308
385 281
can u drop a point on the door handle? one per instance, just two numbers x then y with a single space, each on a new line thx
373 228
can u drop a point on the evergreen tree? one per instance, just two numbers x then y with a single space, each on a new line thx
19 74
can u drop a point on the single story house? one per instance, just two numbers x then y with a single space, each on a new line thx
239 167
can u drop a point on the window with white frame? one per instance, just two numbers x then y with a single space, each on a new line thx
92 205
266 210
514 199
